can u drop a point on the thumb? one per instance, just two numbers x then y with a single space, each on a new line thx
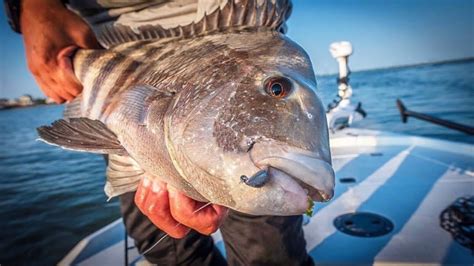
84 37
66 76
89 41
64 57
79 31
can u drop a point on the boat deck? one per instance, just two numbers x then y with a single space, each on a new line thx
407 180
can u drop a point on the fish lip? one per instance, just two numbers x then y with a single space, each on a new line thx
307 168
316 194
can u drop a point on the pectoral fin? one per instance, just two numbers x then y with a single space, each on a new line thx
81 134
123 175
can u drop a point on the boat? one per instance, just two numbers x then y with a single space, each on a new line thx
399 199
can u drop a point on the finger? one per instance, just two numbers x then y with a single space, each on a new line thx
156 195
80 32
66 71
66 52
69 82
56 85
158 211
141 193
46 88
85 38
90 42
220 211
68 97
48 78
39 69
188 212
64 93
71 85
188 205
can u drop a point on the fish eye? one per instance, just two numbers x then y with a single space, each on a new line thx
278 87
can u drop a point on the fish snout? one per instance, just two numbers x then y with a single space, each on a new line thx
310 170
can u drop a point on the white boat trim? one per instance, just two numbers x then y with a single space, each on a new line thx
436 242
371 138
74 253
349 201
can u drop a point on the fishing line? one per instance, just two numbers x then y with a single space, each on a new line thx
166 235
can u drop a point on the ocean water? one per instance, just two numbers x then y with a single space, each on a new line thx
51 198
442 90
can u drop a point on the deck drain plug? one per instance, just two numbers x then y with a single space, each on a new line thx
347 180
363 224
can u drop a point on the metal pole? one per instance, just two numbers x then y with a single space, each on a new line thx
405 113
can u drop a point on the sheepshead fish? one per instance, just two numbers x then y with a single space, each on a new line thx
224 110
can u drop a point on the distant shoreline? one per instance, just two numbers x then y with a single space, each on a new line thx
435 63
2 108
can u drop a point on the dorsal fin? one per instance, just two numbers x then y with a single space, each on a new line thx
234 16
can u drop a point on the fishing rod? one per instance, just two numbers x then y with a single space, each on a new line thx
405 113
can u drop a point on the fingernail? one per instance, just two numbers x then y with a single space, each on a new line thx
156 187
141 197
151 207
146 182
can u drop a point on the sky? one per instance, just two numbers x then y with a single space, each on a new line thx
384 33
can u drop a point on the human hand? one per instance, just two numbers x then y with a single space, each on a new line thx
51 34
175 213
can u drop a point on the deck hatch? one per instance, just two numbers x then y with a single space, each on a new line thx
363 224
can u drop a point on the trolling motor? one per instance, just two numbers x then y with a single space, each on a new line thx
405 113
341 113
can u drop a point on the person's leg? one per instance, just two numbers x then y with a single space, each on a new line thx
264 240
194 249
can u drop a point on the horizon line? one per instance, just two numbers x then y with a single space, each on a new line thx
439 62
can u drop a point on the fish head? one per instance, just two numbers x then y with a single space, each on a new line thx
258 142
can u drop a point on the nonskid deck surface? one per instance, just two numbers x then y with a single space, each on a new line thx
408 180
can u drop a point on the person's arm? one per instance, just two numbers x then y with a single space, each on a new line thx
51 34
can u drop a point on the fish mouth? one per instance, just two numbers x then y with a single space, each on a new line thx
313 174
